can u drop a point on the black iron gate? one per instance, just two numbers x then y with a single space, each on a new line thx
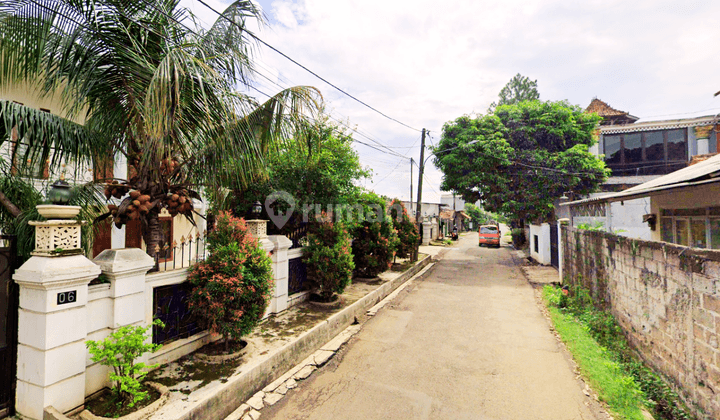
8 325
554 249
297 274
171 307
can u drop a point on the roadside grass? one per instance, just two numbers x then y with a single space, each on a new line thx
606 360
606 377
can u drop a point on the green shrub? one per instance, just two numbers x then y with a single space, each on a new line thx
405 230
597 227
374 238
373 247
233 287
119 351
328 257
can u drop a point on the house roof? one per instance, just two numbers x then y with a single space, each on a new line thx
705 172
603 109
446 214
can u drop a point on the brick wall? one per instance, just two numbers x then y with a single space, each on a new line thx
667 299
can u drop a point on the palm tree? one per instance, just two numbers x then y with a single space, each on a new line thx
150 89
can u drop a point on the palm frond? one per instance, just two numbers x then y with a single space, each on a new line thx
47 137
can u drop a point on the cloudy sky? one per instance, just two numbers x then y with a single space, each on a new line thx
426 62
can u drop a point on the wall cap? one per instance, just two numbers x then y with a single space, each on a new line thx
123 260
56 272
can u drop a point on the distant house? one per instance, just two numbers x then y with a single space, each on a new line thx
431 210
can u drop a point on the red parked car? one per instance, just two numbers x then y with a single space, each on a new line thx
489 235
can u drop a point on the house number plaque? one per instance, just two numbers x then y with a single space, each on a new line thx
67 297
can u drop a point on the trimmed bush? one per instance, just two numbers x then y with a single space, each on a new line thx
233 287
328 258
406 230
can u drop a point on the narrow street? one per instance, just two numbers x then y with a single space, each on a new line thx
466 342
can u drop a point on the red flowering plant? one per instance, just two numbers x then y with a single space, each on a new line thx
233 286
328 257
374 238
406 230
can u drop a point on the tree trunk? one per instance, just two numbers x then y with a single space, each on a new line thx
12 208
152 235
227 344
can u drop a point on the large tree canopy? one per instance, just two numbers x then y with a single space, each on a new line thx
519 88
523 157
151 89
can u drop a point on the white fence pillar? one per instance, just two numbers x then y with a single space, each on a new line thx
426 233
126 269
561 245
280 246
52 332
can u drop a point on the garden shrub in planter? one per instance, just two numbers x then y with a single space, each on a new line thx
119 351
405 229
233 286
374 238
373 247
328 258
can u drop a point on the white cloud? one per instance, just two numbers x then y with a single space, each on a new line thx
426 62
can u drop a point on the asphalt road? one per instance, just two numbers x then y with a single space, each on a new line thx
466 342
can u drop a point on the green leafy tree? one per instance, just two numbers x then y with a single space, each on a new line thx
523 157
482 217
149 89
519 88
374 238
321 168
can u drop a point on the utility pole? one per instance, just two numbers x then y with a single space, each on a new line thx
411 189
421 169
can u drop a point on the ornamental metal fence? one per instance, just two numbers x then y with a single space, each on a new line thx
176 255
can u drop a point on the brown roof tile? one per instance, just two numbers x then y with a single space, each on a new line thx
603 109
699 158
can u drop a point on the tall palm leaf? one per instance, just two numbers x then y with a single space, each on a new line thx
148 88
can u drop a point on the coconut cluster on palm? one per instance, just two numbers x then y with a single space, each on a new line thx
141 196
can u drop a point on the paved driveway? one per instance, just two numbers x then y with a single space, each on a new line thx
467 342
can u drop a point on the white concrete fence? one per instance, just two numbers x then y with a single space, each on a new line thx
59 312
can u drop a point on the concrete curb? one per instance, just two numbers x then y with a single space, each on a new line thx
238 389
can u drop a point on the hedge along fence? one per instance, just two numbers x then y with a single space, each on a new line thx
665 297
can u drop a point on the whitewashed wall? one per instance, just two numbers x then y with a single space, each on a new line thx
541 234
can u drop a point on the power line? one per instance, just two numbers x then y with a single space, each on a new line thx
390 152
390 173
305 68
564 172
